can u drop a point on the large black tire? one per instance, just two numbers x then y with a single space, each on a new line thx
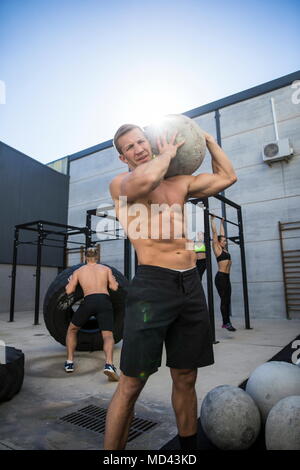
11 373
58 311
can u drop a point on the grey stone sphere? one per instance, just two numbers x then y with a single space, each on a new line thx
283 425
230 418
272 381
191 154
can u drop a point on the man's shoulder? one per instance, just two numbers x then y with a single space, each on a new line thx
115 183
78 270
119 177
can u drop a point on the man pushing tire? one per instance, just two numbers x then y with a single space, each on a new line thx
94 279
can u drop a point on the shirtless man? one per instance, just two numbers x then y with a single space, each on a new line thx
222 279
164 302
94 279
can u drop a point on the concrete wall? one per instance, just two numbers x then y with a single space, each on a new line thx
25 287
267 194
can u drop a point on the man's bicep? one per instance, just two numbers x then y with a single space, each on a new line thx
115 188
207 184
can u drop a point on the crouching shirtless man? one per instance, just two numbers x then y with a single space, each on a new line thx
165 302
94 279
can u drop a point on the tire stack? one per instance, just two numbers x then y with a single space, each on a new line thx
11 373
58 311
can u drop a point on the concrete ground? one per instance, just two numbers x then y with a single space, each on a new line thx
31 420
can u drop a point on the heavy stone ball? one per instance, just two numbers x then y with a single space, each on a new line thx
230 418
271 382
191 154
283 425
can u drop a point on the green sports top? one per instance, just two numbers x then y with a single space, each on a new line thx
199 248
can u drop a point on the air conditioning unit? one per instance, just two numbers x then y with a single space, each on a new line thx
277 150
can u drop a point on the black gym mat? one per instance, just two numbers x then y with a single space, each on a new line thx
204 443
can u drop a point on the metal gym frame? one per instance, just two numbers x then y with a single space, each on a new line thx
127 245
239 240
41 228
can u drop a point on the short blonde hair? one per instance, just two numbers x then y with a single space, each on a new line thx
91 253
121 131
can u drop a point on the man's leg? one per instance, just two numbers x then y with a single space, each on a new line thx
120 412
108 346
184 401
71 341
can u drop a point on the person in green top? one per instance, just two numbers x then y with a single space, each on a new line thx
200 250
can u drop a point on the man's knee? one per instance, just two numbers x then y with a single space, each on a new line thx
107 335
130 387
73 328
184 379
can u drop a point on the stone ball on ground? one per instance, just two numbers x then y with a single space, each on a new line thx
191 154
272 381
283 425
230 418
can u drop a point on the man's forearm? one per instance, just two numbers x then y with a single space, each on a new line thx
155 169
220 162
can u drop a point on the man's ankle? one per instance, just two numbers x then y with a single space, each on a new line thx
188 442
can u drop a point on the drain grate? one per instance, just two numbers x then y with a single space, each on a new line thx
93 418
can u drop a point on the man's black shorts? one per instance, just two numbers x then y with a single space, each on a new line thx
168 306
99 306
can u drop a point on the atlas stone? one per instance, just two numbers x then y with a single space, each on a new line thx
230 418
272 381
283 425
191 154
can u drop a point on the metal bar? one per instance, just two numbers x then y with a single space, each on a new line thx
235 240
283 272
109 240
53 246
228 221
210 296
91 211
28 223
45 222
65 253
127 258
53 224
244 272
13 276
38 275
291 228
227 201
289 223
88 229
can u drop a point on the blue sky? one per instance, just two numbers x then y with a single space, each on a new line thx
76 70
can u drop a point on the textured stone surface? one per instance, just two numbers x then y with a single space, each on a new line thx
230 418
283 425
191 154
271 382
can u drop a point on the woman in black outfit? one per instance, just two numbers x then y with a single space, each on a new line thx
222 279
